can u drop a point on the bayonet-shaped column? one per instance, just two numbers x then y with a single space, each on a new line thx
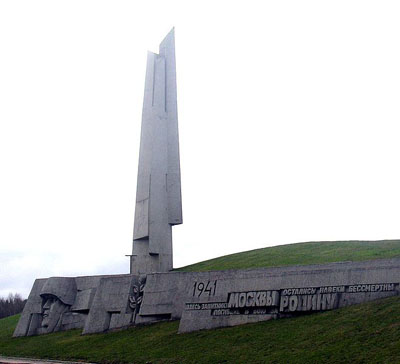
158 196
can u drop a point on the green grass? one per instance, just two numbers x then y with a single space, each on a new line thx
301 253
367 333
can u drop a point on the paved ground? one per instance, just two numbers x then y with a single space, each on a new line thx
12 360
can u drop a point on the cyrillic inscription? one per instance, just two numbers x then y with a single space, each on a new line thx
287 300
253 299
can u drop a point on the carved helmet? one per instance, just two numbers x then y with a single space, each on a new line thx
63 288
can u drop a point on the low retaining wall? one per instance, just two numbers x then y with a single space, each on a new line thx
203 300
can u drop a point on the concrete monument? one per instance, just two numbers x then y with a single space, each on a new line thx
158 196
151 292
100 303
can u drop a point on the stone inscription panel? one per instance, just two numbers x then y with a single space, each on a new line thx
268 304
286 300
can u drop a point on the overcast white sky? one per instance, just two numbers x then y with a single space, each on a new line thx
288 114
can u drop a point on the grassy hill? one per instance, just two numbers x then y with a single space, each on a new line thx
367 333
301 253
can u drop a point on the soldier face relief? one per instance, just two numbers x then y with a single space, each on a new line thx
52 310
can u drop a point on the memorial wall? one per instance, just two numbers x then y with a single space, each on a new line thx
202 300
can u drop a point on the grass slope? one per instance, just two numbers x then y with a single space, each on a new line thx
368 333
301 253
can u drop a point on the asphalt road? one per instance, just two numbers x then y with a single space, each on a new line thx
12 360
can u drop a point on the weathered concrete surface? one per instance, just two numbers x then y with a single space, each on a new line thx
158 196
166 294
115 304
217 299
102 303
49 306
204 300
93 303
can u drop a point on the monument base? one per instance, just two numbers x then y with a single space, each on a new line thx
203 300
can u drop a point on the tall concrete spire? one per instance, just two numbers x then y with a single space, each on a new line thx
158 196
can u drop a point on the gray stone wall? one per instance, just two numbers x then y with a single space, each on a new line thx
203 300
218 299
